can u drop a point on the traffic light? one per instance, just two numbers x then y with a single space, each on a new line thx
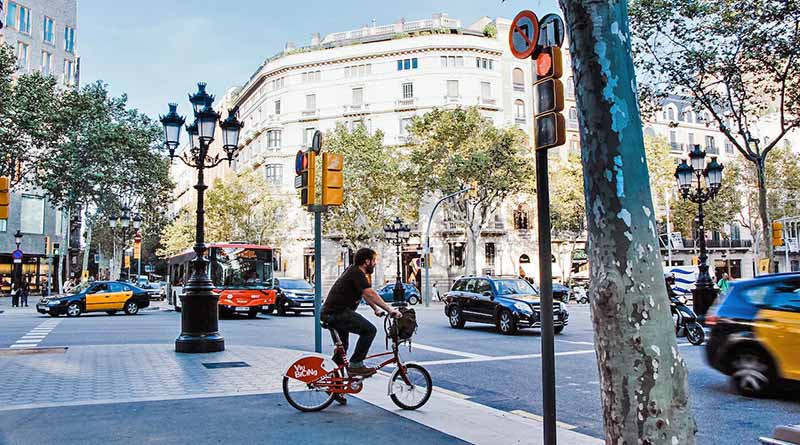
56 249
46 245
549 100
308 175
695 260
332 179
5 197
777 234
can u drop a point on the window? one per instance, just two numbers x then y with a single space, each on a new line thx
69 39
311 102
452 61
408 90
11 16
756 295
308 135
691 141
311 76
486 90
69 67
670 114
482 286
457 260
274 173
573 114
22 55
24 20
711 147
489 253
358 97
404 124
277 107
274 139
518 79
570 88
728 147
277 83
519 109
521 216
357 70
48 33
407 64
483 63
574 146
3 226
47 63
32 218
452 88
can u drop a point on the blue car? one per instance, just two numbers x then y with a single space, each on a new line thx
412 295
507 303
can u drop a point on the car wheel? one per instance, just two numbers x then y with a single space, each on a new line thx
131 308
506 323
752 373
558 329
456 317
414 299
73 309
280 308
252 314
111 312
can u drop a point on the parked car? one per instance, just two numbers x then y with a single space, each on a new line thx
99 296
411 293
561 292
292 295
755 333
507 303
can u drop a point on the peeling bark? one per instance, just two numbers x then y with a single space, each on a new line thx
643 377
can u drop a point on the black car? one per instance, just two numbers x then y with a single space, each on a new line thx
99 296
155 290
292 295
507 303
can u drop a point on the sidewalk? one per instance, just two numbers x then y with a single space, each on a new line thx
140 381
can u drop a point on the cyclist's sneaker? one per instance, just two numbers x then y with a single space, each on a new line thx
360 371
340 399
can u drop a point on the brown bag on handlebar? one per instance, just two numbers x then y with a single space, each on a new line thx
405 327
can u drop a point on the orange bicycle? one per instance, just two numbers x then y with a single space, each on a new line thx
312 382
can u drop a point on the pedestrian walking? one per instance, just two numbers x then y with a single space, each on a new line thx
14 296
724 283
23 294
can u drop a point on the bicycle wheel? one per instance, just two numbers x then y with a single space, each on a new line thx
417 394
304 396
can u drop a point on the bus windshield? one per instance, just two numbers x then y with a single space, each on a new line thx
235 267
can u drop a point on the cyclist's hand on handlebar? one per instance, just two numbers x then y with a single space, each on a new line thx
379 312
396 314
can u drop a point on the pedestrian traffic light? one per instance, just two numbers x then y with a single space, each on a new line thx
308 175
56 249
777 234
5 197
332 179
549 99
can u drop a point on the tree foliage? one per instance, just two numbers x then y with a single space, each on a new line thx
375 189
737 59
455 149
567 203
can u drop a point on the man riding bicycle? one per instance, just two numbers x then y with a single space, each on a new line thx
340 307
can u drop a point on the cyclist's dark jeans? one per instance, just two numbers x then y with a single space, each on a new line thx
348 321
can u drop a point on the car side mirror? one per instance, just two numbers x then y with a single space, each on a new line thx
487 293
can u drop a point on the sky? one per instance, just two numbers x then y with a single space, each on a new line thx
156 51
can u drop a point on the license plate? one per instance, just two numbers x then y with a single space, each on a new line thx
242 309
41 307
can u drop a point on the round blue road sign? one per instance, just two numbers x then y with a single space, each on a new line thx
298 162
524 34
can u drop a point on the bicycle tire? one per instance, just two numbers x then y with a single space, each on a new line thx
428 389
300 407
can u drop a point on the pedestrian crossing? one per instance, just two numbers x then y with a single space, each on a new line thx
36 335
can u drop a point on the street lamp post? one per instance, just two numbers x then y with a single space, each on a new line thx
199 314
17 278
700 183
426 251
398 234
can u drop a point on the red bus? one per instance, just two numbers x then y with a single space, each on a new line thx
241 274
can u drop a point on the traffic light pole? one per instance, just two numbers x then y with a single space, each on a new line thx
318 211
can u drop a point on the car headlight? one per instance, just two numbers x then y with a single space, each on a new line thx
524 307
53 302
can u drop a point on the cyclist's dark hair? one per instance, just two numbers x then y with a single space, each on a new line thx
363 255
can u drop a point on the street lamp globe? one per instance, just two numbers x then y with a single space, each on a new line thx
231 127
201 98
207 120
684 174
112 222
405 233
18 237
192 130
137 222
698 159
713 174
125 219
172 123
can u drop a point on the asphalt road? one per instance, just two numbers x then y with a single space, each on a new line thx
476 362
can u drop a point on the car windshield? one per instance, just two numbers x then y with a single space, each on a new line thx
516 286
294 284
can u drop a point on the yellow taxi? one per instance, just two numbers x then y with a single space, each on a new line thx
99 296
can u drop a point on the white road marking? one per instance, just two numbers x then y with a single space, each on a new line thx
36 335
500 358
447 351
450 393
533 416
587 343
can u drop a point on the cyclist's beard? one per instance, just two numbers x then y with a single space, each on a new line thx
370 268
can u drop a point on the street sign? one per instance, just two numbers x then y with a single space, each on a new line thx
17 254
551 33
524 34
316 142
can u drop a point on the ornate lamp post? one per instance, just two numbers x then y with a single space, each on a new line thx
398 234
17 276
199 315
700 183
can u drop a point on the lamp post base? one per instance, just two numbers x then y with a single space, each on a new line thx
199 344
702 299
199 320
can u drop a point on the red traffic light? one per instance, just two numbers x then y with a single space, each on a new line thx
549 63
544 65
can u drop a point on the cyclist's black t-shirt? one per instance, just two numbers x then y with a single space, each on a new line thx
346 291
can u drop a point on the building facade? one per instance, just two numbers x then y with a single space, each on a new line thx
43 34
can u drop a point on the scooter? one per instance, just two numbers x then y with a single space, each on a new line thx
580 294
783 435
686 321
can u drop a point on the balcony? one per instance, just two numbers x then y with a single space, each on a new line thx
572 124
452 227
452 99
712 150
488 103
350 110
409 103
494 229
520 120
692 243
309 115
519 87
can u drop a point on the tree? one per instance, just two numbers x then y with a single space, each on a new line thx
643 379
375 189
737 59
567 211
454 149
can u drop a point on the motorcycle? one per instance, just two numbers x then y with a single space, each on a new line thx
783 435
685 319
580 295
